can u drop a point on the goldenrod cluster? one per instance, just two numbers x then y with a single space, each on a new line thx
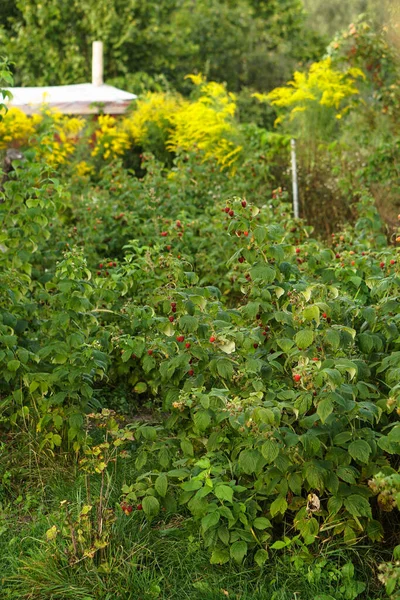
155 110
208 124
61 136
83 169
111 141
322 85
17 128
55 134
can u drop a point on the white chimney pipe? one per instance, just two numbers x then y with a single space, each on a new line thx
97 63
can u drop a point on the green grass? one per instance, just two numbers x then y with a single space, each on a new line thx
164 560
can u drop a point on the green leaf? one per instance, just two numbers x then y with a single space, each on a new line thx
260 557
225 368
151 506
262 523
140 387
223 534
279 505
224 492
311 313
314 475
210 520
262 272
360 450
13 365
334 505
333 338
304 338
346 474
358 506
161 484
187 447
285 344
375 531
249 461
295 482
324 409
192 485
219 556
202 420
270 450
238 551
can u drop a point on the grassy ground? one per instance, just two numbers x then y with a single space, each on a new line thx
164 560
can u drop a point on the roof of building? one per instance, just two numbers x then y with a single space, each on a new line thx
82 98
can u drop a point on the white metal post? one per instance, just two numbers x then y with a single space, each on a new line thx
294 179
97 63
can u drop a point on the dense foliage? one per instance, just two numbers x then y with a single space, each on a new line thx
268 360
195 372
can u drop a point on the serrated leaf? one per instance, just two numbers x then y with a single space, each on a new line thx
304 338
248 461
151 506
262 272
360 450
333 338
285 344
260 557
279 505
311 313
202 420
224 492
161 484
238 551
187 447
358 506
334 505
262 523
219 557
210 520
324 409
270 450
225 368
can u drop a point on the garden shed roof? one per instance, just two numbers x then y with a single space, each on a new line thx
79 99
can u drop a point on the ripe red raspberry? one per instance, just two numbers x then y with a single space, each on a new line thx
150 352
180 338
255 345
98 272
231 213
227 209
139 507
392 262
324 315
297 377
246 233
101 265
244 203
187 345
191 373
298 250
241 259
164 233
171 318
382 265
212 339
